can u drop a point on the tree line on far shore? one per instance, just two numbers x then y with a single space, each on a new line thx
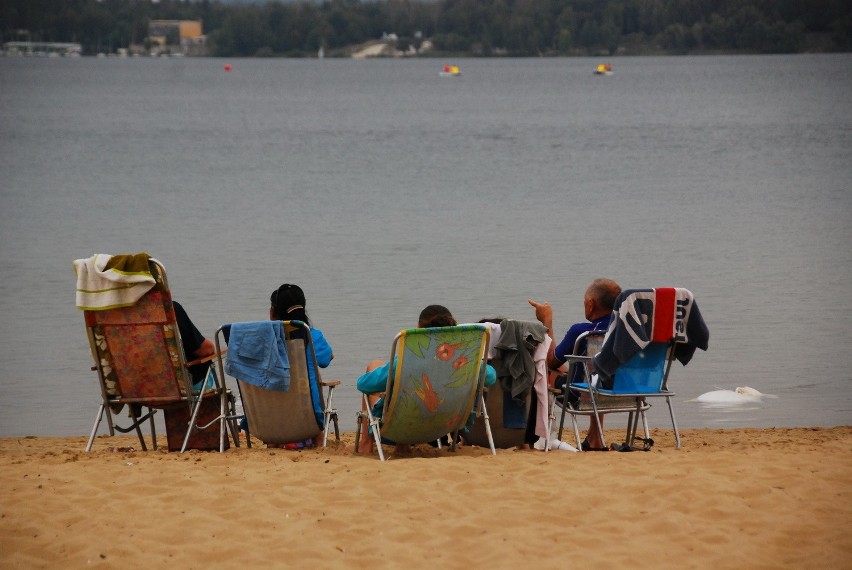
458 27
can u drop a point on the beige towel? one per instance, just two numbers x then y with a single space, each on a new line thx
99 288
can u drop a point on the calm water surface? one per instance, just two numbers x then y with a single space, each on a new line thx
381 188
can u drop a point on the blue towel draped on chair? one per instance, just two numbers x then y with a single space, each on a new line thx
257 354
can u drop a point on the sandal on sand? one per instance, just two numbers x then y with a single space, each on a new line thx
586 447
647 444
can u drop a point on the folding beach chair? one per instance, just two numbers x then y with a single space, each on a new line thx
504 437
508 417
580 403
517 349
140 363
276 416
436 382
649 329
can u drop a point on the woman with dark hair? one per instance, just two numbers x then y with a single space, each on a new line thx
287 303
374 381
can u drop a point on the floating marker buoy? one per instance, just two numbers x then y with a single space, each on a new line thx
227 67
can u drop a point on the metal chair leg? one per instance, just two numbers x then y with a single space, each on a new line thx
674 422
98 417
487 425
138 429
359 419
191 426
153 433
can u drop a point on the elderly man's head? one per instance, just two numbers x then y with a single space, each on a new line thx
600 298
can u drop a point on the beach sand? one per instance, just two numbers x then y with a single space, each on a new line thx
735 498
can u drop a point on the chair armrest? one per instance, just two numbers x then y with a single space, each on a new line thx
577 358
204 359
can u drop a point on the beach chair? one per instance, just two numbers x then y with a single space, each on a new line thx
649 329
435 384
586 346
276 416
504 437
140 364
514 420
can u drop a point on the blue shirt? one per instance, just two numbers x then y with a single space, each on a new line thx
322 350
566 347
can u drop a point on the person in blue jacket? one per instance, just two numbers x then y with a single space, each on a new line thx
287 303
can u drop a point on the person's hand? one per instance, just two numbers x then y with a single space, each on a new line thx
543 312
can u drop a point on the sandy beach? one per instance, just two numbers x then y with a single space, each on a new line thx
736 498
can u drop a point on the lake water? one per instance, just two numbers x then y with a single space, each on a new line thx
381 187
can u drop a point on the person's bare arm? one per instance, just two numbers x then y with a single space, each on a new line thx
206 349
544 314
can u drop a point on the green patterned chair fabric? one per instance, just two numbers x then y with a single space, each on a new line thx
438 375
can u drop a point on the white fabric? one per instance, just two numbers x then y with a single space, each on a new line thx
493 337
540 387
98 289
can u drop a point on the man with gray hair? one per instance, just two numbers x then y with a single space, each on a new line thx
598 302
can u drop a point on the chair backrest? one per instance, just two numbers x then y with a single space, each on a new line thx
137 349
642 318
587 344
286 417
503 437
645 372
433 386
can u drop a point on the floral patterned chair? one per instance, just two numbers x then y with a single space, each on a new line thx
140 364
435 385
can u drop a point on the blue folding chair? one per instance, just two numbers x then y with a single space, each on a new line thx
643 376
649 328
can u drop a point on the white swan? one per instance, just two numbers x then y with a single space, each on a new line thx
742 394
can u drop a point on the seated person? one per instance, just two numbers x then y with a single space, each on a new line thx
598 302
374 381
288 304
195 346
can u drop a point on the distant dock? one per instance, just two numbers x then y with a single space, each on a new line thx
42 49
